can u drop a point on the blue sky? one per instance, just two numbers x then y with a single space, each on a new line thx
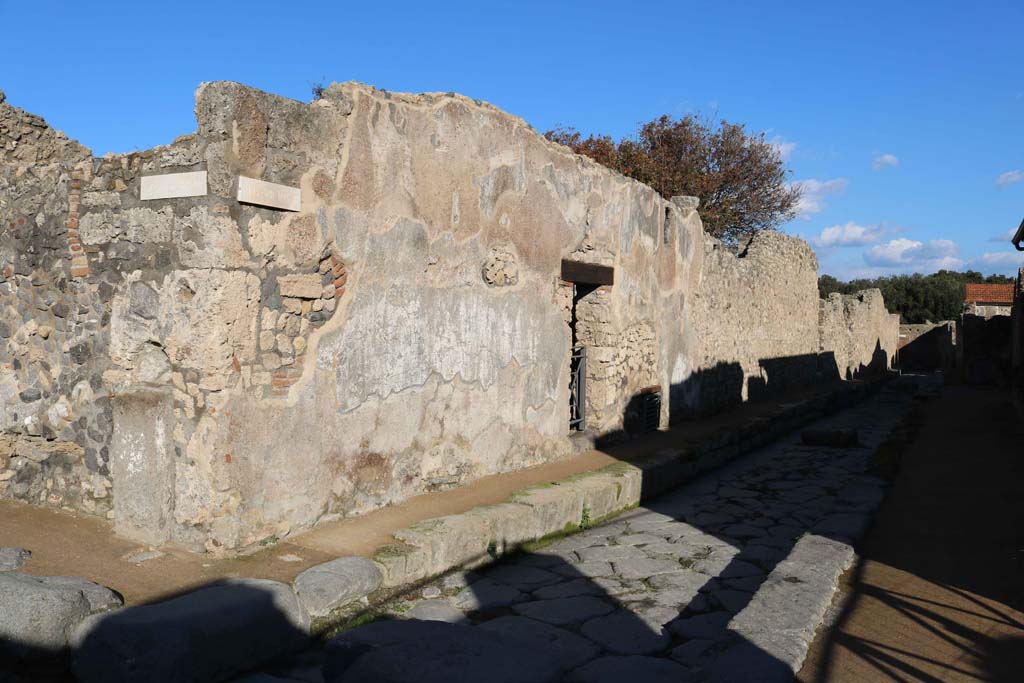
903 120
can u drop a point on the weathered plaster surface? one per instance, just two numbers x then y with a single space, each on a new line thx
405 331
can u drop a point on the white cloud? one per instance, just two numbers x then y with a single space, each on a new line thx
1003 236
1010 178
884 161
783 147
1004 261
906 256
849 235
812 200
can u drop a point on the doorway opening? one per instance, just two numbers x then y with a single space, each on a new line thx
585 279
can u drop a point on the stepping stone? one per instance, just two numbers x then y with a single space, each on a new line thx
635 669
434 652
486 594
571 649
562 611
436 610
209 634
522 577
625 633
100 598
328 586
710 625
568 589
644 567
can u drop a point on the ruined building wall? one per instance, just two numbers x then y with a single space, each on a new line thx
259 370
217 373
55 418
859 333
753 325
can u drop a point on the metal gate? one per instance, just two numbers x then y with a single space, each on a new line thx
578 389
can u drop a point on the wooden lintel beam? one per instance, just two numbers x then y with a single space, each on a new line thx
587 273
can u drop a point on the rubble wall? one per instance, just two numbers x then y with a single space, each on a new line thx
239 372
753 323
858 333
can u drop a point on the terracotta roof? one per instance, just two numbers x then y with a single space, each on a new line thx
989 294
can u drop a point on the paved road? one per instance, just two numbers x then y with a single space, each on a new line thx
726 578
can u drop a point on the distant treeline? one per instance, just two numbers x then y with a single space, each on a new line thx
917 298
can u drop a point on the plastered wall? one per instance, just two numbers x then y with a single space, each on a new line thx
219 373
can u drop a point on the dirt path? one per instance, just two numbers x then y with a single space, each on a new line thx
939 594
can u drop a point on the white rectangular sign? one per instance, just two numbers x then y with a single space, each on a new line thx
171 185
252 191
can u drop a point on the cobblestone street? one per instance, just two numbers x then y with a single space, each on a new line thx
727 578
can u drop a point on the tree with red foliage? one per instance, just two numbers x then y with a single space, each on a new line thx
740 178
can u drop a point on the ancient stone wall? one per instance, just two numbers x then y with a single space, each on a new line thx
218 372
753 323
927 346
859 333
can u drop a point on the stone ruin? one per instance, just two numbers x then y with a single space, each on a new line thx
307 311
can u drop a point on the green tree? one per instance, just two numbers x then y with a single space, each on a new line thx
917 298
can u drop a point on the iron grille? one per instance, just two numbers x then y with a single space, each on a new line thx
651 411
578 389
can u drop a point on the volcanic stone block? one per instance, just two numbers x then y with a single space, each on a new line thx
206 635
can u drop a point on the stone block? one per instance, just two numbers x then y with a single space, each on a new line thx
274 195
509 524
401 564
332 585
172 185
207 635
300 286
600 494
555 507
35 617
449 542
142 462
